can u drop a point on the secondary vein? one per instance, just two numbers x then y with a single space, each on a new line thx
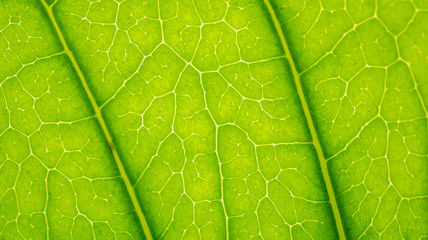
317 145
97 110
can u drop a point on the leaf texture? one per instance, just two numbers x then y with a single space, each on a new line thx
194 119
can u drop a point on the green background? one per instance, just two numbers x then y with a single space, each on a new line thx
196 119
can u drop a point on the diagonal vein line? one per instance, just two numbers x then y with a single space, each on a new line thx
317 145
97 110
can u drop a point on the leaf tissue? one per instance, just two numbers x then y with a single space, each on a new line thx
213 119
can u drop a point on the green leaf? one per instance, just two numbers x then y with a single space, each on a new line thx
197 119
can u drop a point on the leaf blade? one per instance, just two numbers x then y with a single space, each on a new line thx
363 124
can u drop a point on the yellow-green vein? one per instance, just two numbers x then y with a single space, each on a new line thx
97 110
317 145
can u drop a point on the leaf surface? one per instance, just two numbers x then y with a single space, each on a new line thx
213 119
